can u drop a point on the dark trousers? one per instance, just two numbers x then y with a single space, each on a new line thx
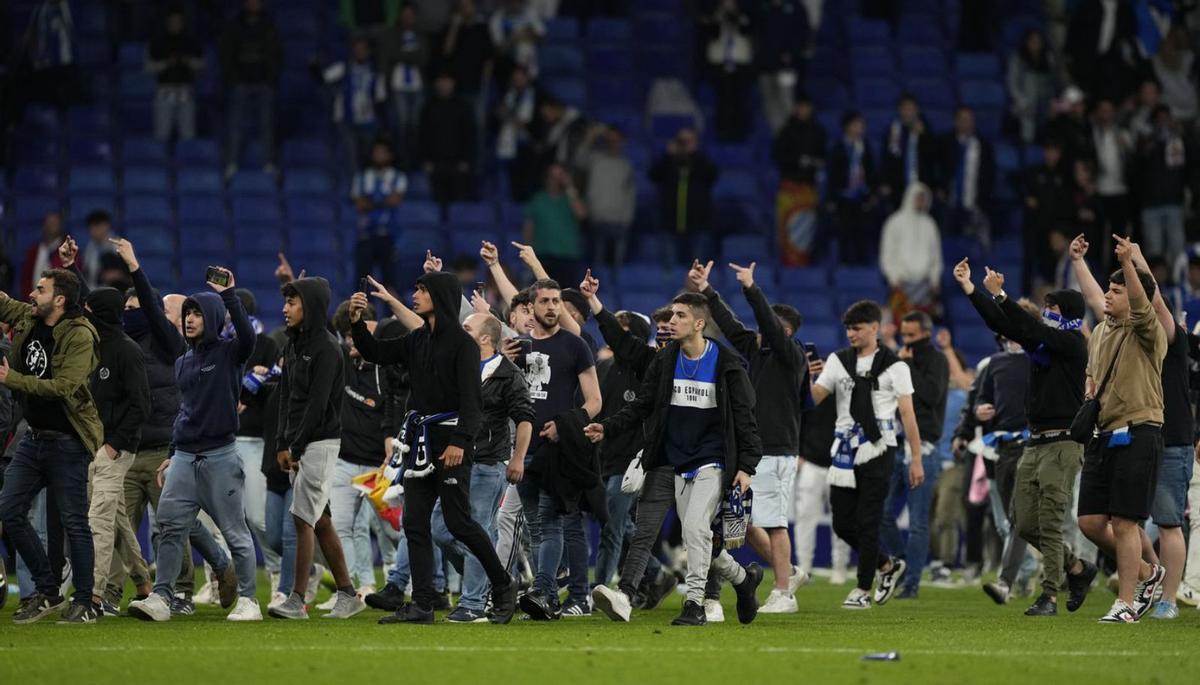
453 487
372 251
654 502
60 465
853 233
858 512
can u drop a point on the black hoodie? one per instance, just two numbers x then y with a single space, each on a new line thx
251 422
372 409
310 387
620 379
161 345
1058 357
119 383
442 364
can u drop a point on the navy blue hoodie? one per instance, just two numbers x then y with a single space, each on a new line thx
209 374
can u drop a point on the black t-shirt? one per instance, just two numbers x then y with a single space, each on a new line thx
42 413
182 46
552 371
1177 412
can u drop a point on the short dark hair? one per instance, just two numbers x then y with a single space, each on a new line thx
1147 281
964 108
543 284
863 311
97 216
65 284
789 314
906 97
341 318
523 297
289 290
695 302
922 319
850 117
661 315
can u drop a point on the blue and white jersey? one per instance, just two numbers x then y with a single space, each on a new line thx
694 435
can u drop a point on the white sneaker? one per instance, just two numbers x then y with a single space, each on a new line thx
838 577
346 606
314 583
1188 595
206 595
277 598
857 599
153 608
713 611
613 603
779 603
246 609
798 579
328 604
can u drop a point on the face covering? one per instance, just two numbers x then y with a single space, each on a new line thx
134 322
1054 320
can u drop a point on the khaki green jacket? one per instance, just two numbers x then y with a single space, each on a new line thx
75 357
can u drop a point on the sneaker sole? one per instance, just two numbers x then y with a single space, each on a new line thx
141 614
243 620
995 594
603 604
40 616
273 613
855 607
483 619
357 610
899 567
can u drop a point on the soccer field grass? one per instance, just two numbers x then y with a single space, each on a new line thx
947 636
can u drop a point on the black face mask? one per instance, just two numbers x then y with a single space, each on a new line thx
134 322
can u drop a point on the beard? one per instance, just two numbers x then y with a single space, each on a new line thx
547 321
41 311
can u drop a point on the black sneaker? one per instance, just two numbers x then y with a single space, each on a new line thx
504 602
1148 591
1080 585
461 614
576 609
109 609
662 586
638 599
409 613
693 614
390 598
999 591
37 607
1044 606
747 598
182 605
79 613
539 607
442 602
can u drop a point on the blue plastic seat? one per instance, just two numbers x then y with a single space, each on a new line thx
313 210
160 268
314 241
740 185
813 278
628 119
91 151
827 337
866 31
610 60
82 203
42 117
150 239
132 56
201 209
89 121
197 152
560 60
37 150
977 65
143 150
92 178
981 94
417 212
266 238
744 249
874 66
307 182
36 179
876 92
640 277
413 241
306 153
613 90
204 239
147 208
136 86
829 94
467 242
145 180
198 181
31 208
254 210
298 23
472 214
605 30
933 93
571 91
857 278
562 30
252 183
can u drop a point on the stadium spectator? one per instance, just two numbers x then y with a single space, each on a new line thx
552 224
781 37
176 57
800 148
408 88
465 50
43 254
1069 126
908 151
1164 169
251 58
1047 190
1101 49
376 192
516 30
1031 77
99 227
558 134
359 94
1139 119
610 194
1113 151
514 114
448 144
910 254
1173 66
968 171
730 55
685 177
851 180
52 54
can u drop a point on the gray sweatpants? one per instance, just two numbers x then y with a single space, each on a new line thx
697 500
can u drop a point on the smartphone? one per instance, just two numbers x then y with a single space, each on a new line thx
217 276
362 285
526 345
810 350
479 287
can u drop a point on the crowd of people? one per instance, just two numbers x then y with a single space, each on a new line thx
500 431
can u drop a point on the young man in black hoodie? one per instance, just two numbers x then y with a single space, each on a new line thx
1051 460
778 372
122 396
306 440
698 405
445 407
205 471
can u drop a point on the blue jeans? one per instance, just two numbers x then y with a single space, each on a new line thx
346 506
37 518
575 543
546 535
244 101
212 482
400 572
916 552
1163 231
406 107
59 466
487 487
615 532
281 537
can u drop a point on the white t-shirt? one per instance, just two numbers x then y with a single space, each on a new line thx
894 382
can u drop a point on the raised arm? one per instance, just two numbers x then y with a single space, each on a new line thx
372 349
164 332
1161 310
625 346
491 257
769 326
1093 294
1141 314
410 319
988 310
243 344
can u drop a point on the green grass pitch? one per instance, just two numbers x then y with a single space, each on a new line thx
947 636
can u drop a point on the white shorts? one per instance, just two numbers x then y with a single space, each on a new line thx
313 480
773 483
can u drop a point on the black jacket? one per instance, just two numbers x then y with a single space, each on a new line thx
778 370
1162 169
620 380
251 420
505 396
893 167
735 397
816 434
799 151
372 409
447 131
1050 189
838 176
931 378
118 384
569 470
310 387
694 176
1003 383
442 364
947 167
161 345
1055 389
278 481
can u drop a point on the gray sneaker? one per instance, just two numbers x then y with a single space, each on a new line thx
346 606
294 608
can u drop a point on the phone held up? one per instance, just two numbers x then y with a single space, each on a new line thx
217 276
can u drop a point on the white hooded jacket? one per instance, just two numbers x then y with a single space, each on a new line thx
910 250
